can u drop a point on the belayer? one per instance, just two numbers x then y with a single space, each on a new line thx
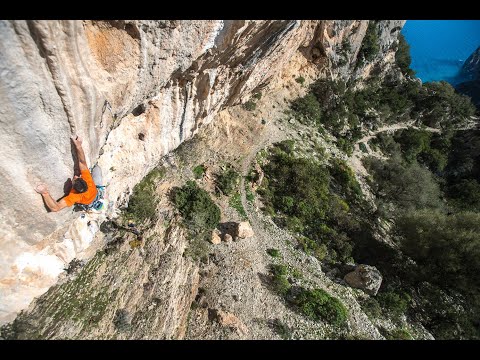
86 192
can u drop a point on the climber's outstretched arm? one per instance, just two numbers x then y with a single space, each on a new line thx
49 201
82 161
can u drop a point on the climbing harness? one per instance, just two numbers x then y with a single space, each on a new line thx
96 204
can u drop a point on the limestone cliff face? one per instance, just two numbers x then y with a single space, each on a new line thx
109 82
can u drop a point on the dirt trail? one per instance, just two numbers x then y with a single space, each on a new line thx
355 161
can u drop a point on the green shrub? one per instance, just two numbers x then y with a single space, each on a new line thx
257 96
393 303
370 45
345 177
402 56
250 105
279 270
273 252
228 180
317 304
280 282
249 194
282 329
397 334
198 171
198 210
372 308
143 202
300 80
403 187
363 147
446 247
298 192
308 108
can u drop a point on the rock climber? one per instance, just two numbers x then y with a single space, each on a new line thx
83 191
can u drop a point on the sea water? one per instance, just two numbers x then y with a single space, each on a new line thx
440 47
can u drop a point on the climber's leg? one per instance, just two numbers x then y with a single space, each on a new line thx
97 175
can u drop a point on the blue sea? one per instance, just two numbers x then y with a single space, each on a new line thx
440 47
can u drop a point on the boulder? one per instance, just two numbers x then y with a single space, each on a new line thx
244 230
365 277
215 238
227 238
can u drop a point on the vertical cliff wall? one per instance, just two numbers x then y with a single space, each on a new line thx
109 82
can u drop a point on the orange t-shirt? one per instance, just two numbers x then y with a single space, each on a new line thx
83 198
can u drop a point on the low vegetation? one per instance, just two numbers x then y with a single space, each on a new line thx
274 253
402 56
198 171
428 189
315 304
312 200
300 80
251 104
235 202
199 212
143 202
228 180
370 45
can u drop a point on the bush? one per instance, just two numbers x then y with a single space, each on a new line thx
198 210
370 46
308 108
466 194
403 187
397 334
440 106
402 56
250 105
393 303
300 80
257 96
317 304
273 253
142 205
345 177
228 180
299 194
198 171
282 329
363 147
446 247
280 282
372 308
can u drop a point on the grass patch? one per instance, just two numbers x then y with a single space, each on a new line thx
198 171
249 194
236 203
